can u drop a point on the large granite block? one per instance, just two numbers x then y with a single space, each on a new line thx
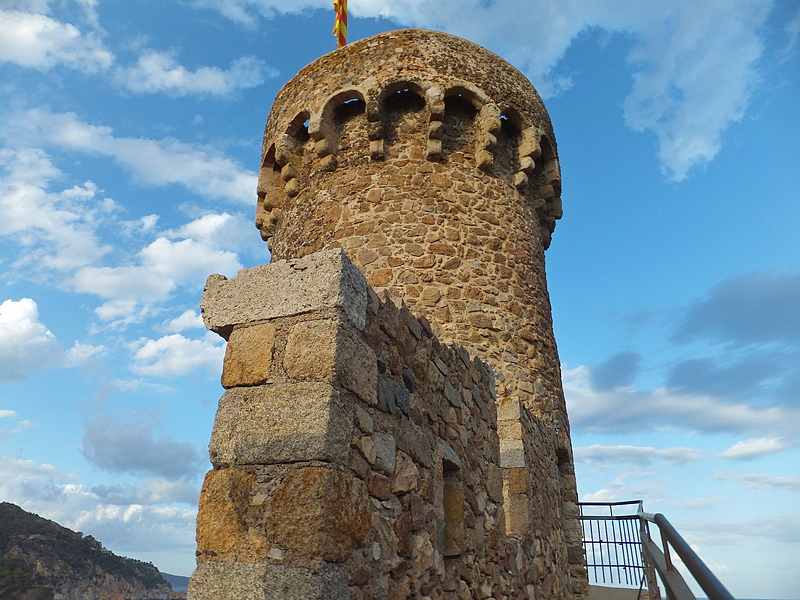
281 423
284 288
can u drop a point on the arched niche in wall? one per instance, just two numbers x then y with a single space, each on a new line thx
506 152
350 127
404 119
461 106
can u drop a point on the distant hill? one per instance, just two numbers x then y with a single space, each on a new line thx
40 558
179 583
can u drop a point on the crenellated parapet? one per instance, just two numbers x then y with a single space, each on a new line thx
498 123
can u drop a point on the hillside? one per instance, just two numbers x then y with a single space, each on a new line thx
40 558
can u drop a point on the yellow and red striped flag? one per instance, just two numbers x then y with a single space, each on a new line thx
340 25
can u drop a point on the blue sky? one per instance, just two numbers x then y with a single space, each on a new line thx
130 136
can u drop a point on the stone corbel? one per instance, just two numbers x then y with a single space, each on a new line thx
489 126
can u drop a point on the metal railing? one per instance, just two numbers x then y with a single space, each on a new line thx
619 550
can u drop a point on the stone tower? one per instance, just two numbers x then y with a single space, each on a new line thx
394 424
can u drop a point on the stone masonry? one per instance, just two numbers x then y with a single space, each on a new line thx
394 424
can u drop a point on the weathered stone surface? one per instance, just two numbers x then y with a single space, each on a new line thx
284 288
512 454
320 512
262 581
223 529
311 350
281 423
248 356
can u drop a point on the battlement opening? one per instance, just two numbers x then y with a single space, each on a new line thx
458 126
403 123
298 127
506 152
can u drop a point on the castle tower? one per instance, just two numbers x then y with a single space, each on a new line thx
430 164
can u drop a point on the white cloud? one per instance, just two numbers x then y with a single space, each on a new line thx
761 481
599 455
694 61
25 342
164 265
633 485
56 229
755 447
40 42
151 491
129 528
200 169
629 409
189 319
129 445
5 413
159 72
80 353
176 355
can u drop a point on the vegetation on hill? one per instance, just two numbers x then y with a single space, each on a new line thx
39 558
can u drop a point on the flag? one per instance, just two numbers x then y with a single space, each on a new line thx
340 25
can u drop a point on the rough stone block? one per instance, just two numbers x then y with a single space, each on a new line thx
517 517
329 351
320 512
356 365
509 409
248 357
284 288
311 350
260 581
512 454
223 530
517 481
281 423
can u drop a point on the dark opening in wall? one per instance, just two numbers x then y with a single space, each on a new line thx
298 128
405 129
458 126
351 129
506 155
454 506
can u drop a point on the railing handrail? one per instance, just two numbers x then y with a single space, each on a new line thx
712 586
653 558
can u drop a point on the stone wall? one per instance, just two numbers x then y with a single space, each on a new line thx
356 455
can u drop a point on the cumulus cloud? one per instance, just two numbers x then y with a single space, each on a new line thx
761 481
618 371
200 169
753 308
755 448
151 491
630 485
19 427
162 266
694 63
148 523
752 374
41 42
56 228
176 355
782 528
26 344
629 409
598 455
130 445
189 319
157 72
